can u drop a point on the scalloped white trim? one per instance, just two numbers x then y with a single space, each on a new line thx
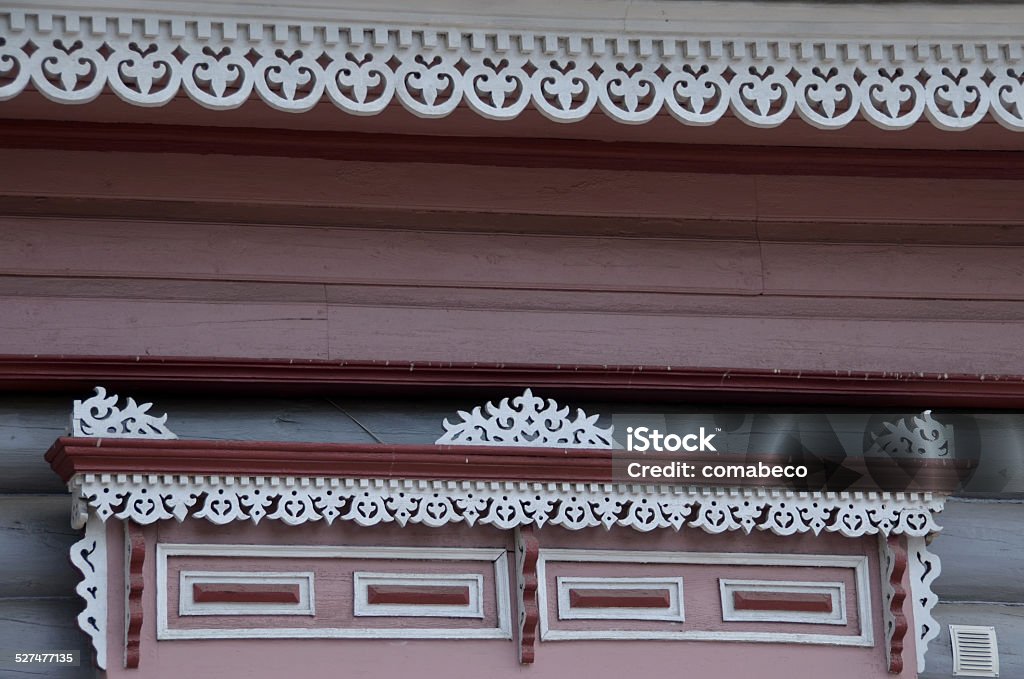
221 62
146 498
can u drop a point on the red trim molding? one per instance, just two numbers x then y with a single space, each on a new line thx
241 593
624 382
527 554
619 598
136 561
506 152
422 595
69 456
898 546
782 601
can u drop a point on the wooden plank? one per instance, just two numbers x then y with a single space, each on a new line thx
375 256
45 625
699 340
932 272
887 342
1009 624
171 328
419 186
982 552
538 191
382 256
877 199
35 539
610 302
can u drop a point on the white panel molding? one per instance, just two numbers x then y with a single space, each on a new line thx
526 421
496 558
673 613
859 564
474 582
697 75
187 605
146 498
835 590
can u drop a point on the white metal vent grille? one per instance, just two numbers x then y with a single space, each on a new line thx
975 652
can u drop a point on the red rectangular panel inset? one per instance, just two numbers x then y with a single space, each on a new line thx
238 593
418 595
620 598
802 602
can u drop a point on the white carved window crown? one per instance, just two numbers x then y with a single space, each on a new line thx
99 417
526 420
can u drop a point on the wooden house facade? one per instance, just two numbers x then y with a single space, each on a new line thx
391 271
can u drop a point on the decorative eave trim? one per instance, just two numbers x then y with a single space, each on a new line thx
221 499
148 58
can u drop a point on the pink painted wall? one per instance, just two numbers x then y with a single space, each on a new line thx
258 659
315 259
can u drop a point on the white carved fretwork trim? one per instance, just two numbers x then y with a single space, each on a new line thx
99 417
924 568
918 436
89 556
222 61
674 612
146 498
526 421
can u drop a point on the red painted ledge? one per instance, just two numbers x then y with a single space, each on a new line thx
69 456
619 382
518 152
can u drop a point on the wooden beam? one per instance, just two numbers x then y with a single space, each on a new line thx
70 456
512 152
43 373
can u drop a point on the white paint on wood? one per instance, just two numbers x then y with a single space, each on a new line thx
570 74
100 417
836 592
924 569
473 582
187 605
497 558
89 556
526 421
146 498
